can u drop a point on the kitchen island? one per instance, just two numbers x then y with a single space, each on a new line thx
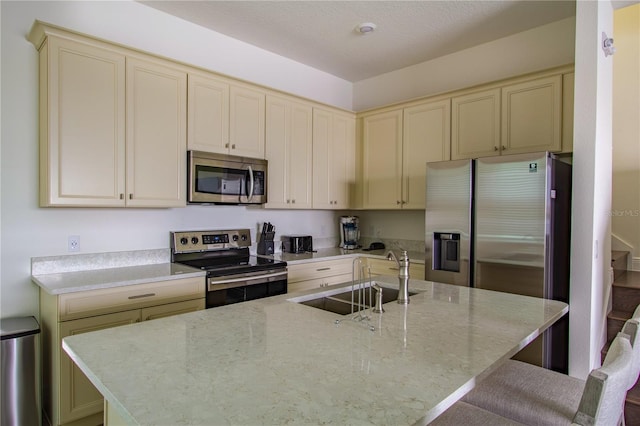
275 361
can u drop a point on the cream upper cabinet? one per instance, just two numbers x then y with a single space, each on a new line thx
246 122
288 149
82 124
382 160
333 159
426 138
475 124
568 81
532 116
112 124
156 134
208 114
397 146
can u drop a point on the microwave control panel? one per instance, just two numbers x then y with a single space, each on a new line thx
190 241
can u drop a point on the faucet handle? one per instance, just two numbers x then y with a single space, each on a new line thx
378 309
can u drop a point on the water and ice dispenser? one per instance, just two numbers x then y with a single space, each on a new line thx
446 251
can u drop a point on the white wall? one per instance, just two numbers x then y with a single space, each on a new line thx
625 215
537 49
29 231
590 241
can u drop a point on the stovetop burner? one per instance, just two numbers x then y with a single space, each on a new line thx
218 252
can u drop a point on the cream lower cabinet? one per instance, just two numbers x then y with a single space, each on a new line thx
112 124
388 267
334 146
69 398
288 149
309 275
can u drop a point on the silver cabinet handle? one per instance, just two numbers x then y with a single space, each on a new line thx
140 296
122 196
131 196
323 269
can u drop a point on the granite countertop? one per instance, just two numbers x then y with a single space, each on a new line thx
336 252
274 361
70 282
83 272
68 274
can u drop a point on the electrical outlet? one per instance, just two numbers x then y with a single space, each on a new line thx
74 243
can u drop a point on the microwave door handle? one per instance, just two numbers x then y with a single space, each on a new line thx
250 196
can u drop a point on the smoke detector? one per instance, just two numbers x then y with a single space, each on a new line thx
366 28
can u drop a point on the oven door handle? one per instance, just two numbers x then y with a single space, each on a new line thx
243 281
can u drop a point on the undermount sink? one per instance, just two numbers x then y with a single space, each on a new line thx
340 302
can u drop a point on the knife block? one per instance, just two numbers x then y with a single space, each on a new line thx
265 245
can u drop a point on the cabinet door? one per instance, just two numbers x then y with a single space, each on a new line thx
301 151
322 163
426 138
333 159
78 397
246 122
208 114
170 309
343 163
475 125
382 160
532 115
82 125
288 149
568 81
276 153
156 134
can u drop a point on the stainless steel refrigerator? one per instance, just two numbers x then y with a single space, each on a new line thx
503 223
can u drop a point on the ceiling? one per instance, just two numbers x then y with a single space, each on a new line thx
322 34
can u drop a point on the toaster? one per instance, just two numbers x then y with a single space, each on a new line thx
297 243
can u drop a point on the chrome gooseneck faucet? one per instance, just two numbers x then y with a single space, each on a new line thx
403 275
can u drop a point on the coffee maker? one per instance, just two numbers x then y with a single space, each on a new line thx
349 232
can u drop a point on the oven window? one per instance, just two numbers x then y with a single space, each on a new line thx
226 181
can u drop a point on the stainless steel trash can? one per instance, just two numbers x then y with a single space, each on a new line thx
20 373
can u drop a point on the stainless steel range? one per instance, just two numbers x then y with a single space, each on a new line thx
233 275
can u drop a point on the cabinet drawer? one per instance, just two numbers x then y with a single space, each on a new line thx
170 309
387 267
98 302
318 282
321 269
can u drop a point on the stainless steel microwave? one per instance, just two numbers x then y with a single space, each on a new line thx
226 179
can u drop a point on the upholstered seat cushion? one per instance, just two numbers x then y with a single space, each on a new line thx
528 394
462 413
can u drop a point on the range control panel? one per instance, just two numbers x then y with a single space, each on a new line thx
187 241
